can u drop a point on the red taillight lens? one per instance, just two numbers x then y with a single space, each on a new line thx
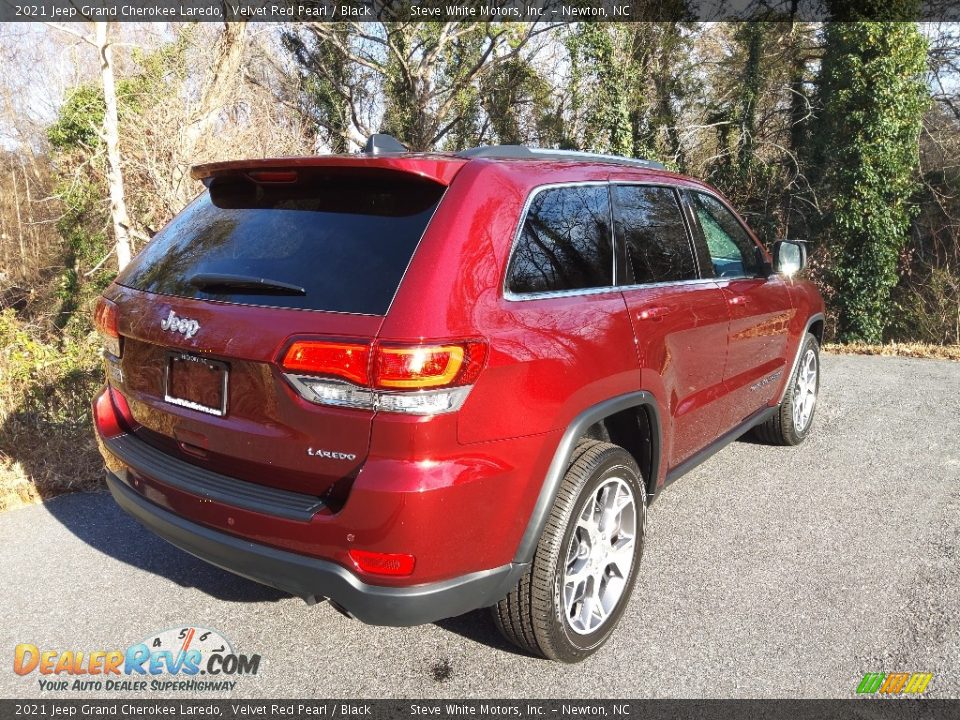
105 319
350 361
428 366
377 563
112 414
105 416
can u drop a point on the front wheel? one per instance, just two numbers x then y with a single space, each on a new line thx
793 419
568 603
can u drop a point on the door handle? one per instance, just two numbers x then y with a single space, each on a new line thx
652 314
739 300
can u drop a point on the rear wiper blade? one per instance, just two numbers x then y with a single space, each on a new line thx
224 283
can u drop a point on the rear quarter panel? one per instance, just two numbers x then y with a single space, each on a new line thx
549 358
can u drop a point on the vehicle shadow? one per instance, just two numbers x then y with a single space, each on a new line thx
478 627
95 519
99 522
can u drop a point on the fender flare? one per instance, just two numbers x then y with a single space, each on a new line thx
561 459
816 317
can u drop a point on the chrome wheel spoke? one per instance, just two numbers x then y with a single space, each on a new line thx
621 557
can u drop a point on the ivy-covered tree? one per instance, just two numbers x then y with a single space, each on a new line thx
517 100
873 97
327 84
603 81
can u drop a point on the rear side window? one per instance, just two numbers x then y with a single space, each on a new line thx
732 250
344 239
650 221
565 242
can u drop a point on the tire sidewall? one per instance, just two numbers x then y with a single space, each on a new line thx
618 464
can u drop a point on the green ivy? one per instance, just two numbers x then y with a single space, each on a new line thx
78 124
874 96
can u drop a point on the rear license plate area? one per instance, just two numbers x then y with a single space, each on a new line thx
197 383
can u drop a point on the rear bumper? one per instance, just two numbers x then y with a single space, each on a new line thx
313 578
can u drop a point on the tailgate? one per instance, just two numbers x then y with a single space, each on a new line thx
268 434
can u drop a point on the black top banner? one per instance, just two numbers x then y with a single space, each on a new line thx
544 11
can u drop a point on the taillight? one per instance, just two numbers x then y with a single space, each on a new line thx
378 563
105 319
421 379
351 361
426 366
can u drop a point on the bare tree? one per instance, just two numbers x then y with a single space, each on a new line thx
218 91
111 137
412 75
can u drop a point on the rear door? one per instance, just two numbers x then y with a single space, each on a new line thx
680 320
209 306
760 308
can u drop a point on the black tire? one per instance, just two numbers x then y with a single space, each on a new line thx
781 428
532 616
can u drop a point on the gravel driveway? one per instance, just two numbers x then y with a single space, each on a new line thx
768 572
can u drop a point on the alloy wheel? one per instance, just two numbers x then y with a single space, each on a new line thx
599 557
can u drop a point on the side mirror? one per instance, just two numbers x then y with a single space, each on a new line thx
789 257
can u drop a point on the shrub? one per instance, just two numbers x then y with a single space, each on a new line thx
46 440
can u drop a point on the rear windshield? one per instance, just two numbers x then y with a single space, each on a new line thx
341 241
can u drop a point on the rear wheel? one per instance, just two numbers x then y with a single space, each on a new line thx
568 603
794 416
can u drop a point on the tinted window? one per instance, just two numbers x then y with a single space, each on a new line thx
345 239
565 242
732 251
650 222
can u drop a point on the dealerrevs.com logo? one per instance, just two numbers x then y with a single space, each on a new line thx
191 659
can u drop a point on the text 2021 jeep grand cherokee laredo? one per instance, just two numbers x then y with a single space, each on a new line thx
420 384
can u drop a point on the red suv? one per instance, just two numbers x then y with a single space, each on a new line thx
419 384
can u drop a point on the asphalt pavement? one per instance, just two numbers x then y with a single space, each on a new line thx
768 572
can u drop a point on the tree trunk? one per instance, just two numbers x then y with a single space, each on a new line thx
218 91
111 137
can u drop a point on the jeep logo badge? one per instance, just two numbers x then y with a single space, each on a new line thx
185 326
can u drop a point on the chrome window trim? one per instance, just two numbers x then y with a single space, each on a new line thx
511 296
669 283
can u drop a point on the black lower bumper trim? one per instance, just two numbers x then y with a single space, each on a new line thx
205 483
311 578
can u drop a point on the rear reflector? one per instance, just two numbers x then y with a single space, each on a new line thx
377 563
105 318
111 414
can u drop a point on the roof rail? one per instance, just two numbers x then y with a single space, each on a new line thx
524 152
380 143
